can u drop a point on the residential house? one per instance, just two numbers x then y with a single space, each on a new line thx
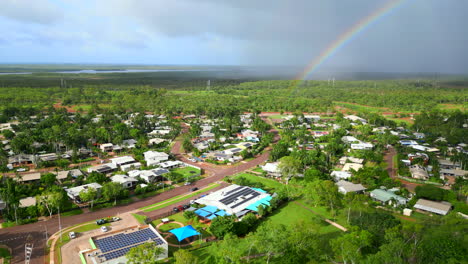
28 201
344 160
349 139
74 193
317 134
103 168
348 187
441 208
154 157
31 177
418 172
352 166
312 118
355 118
155 175
272 169
106 147
223 156
156 141
341 175
171 164
408 142
129 143
62 175
387 197
362 146
233 151
20 159
453 173
124 180
48 157
126 163
447 164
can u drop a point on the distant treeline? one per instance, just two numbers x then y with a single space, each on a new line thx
189 92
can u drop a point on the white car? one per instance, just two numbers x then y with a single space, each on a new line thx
192 160
104 229
21 169
72 235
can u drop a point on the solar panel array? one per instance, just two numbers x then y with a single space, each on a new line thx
118 245
242 191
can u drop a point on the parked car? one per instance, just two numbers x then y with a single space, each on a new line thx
186 206
187 183
192 160
194 189
115 219
21 169
72 235
104 229
101 221
175 209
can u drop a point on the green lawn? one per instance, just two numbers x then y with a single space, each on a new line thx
176 199
168 226
5 254
268 183
140 218
186 171
292 213
76 211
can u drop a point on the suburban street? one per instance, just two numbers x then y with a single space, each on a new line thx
16 237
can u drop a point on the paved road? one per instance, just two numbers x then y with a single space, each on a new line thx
15 237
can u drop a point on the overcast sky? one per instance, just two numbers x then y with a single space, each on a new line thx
420 35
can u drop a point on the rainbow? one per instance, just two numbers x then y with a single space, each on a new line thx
347 37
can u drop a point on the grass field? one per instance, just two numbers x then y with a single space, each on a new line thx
140 218
186 171
73 212
268 183
176 199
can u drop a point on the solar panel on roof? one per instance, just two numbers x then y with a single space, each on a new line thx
246 200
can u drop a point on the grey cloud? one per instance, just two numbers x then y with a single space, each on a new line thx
36 11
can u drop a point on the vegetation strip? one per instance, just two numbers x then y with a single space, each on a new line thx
176 199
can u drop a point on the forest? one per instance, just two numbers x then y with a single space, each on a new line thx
189 92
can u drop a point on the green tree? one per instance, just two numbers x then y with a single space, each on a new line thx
148 253
348 247
51 200
289 167
48 179
185 257
89 195
222 225
112 190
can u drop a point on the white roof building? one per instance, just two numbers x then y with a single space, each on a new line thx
124 180
349 139
74 193
441 208
343 160
233 199
362 146
341 175
272 169
355 118
26 202
171 164
354 166
347 187
155 157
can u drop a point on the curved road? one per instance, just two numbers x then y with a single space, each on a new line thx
15 237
